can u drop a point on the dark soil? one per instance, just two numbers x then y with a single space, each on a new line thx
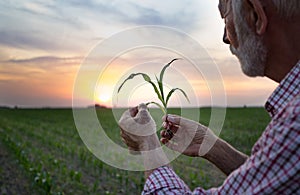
13 179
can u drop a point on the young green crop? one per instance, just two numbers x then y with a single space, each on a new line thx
25 130
158 87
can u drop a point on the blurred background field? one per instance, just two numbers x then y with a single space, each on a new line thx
41 153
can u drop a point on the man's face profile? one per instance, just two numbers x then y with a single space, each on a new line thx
245 44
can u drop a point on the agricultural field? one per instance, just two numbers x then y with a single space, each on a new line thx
41 153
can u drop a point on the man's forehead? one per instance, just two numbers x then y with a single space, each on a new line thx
223 5
223 2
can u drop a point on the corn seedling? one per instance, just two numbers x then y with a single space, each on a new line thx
158 87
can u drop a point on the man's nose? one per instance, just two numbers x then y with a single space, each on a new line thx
225 38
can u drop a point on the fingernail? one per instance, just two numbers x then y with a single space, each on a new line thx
142 106
164 125
161 133
163 140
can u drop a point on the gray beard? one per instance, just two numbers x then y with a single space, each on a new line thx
252 57
251 51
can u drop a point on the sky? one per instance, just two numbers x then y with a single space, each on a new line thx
45 44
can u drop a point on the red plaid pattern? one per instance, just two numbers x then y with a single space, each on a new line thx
274 164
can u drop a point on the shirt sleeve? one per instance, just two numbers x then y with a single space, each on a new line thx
164 180
273 167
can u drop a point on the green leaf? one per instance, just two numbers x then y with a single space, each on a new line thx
128 78
158 93
172 91
158 105
147 79
162 72
160 85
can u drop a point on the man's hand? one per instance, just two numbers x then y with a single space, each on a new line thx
187 136
193 139
138 129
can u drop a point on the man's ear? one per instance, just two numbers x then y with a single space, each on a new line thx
260 18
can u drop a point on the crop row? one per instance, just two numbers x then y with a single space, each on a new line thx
61 165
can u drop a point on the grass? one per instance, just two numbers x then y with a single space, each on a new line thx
42 153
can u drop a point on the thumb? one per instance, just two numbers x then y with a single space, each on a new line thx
143 116
142 107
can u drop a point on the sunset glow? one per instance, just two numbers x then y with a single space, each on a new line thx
45 43
104 98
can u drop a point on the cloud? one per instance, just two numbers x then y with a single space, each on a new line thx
38 81
38 68
35 35
52 42
47 60
25 40
67 25
40 26
32 94
51 11
180 14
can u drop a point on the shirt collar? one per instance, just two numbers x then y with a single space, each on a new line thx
288 88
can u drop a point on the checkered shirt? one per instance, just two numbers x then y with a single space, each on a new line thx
274 164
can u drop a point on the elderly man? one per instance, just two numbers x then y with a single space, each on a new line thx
264 35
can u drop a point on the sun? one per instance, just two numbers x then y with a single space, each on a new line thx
104 97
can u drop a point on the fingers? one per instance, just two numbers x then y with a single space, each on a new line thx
124 136
177 120
140 114
173 128
143 116
133 111
177 129
164 140
170 131
167 134
132 146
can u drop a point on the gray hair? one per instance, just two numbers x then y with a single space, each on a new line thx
287 8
